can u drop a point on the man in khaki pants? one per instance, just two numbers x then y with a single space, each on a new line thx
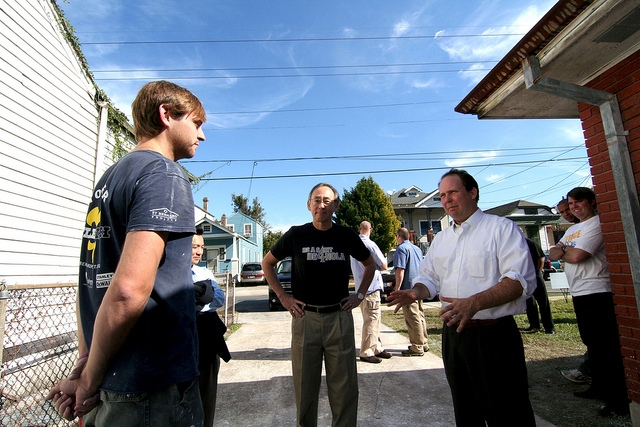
406 261
371 349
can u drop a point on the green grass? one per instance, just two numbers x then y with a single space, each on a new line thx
231 329
538 346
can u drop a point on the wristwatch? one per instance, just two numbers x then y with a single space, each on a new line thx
564 249
360 296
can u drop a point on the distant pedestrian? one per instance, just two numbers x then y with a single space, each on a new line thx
406 261
211 329
322 323
482 271
371 349
540 294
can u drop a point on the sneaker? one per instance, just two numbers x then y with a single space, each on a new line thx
408 353
576 376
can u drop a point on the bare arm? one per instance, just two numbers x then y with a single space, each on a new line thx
293 306
461 310
570 254
408 296
352 301
399 277
123 303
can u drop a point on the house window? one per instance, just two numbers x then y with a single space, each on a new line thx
215 253
206 228
248 230
434 225
231 227
531 211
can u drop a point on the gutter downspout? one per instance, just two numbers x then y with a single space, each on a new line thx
101 144
616 138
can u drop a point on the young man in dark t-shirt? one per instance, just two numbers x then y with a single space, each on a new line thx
136 332
320 306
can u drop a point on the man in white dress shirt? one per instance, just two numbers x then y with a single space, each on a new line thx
480 267
371 349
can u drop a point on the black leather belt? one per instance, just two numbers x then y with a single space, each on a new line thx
480 323
323 309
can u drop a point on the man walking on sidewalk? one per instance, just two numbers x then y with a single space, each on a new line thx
371 349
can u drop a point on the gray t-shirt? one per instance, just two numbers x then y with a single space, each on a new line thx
143 191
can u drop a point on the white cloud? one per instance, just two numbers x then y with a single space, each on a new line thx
427 84
401 28
471 158
495 177
263 108
491 44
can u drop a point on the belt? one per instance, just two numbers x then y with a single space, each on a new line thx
480 323
323 309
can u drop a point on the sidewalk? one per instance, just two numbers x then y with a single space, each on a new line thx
255 388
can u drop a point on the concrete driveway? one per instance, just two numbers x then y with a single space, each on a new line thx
255 387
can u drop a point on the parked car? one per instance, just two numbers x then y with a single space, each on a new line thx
389 279
284 276
252 274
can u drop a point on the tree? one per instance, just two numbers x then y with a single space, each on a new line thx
368 202
256 211
270 238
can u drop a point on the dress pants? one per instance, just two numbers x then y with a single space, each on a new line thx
315 336
540 295
370 307
416 326
599 332
487 374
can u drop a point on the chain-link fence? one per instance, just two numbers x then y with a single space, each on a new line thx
39 349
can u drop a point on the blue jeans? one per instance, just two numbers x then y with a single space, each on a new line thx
177 405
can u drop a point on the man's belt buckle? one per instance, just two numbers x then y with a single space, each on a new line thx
323 309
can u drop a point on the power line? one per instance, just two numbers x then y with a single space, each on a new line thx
344 107
405 170
474 70
308 67
290 40
387 156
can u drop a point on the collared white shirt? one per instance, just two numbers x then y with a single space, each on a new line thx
202 273
474 256
377 284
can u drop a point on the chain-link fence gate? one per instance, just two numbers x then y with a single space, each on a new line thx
40 348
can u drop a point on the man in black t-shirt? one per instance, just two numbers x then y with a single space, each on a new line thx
136 331
320 306
539 295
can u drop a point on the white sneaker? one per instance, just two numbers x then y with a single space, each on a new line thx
576 376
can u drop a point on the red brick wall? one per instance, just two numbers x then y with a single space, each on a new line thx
624 81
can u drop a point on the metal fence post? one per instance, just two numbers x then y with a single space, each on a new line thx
4 295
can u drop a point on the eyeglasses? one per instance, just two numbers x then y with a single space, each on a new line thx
319 201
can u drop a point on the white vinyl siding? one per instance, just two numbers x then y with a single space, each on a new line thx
48 138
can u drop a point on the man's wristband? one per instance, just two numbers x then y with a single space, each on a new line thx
83 356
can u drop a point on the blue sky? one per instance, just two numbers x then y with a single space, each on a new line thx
300 92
